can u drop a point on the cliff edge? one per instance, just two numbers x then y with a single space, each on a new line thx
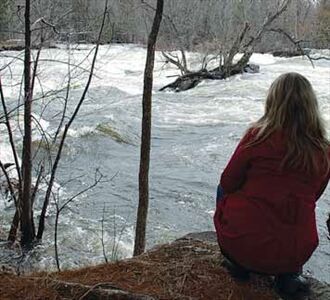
188 268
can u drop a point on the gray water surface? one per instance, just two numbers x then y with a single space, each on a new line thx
194 134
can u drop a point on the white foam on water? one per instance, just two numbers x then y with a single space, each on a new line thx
238 100
78 132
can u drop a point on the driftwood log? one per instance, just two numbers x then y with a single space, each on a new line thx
192 79
290 53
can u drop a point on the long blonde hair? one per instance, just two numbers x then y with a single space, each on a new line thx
291 106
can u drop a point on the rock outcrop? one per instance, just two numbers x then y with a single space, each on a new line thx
188 268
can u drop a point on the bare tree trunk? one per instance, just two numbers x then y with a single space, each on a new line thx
228 63
140 232
41 225
55 239
27 230
14 226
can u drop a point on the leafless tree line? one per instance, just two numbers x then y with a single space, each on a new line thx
198 24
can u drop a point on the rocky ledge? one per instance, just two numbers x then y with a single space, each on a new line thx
188 268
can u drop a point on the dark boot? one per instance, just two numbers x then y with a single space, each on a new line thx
235 270
291 283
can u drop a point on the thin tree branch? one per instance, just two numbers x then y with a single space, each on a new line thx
98 179
102 235
65 101
293 41
66 129
10 186
11 138
176 62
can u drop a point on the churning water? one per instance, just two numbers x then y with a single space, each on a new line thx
193 136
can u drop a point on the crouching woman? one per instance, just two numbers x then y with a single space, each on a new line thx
265 215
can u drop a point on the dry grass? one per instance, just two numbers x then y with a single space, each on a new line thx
13 287
185 269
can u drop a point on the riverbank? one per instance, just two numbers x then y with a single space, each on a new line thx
194 135
188 268
18 45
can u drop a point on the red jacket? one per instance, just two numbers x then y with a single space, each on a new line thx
266 220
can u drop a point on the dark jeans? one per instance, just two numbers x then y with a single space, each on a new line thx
230 259
220 193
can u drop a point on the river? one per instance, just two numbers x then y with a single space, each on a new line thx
193 136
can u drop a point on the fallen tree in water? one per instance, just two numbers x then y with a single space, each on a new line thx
244 43
190 80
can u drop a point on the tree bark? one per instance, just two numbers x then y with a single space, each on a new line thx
142 214
14 226
228 63
25 205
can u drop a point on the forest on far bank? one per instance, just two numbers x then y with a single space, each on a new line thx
194 25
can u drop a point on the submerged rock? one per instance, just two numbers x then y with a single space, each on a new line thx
108 130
